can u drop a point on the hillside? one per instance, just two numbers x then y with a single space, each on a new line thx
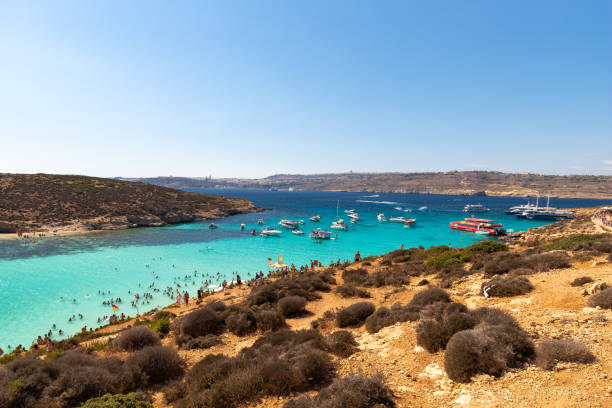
540 340
43 202
452 182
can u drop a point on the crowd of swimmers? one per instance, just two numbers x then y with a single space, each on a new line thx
179 291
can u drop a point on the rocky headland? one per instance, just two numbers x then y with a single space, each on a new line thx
63 204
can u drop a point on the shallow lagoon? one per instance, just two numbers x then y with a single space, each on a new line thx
39 281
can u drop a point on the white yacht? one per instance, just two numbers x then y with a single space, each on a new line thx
297 232
349 211
289 224
270 232
397 208
319 233
476 208
397 219
339 225
315 218
354 216
381 217
423 208
409 222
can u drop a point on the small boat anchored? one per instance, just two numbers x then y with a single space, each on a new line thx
289 224
212 225
297 232
315 218
381 217
270 232
320 233
409 222
260 221
339 223
475 208
354 216
397 219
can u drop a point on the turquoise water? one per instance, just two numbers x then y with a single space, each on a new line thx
55 278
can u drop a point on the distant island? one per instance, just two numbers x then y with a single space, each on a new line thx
69 204
489 183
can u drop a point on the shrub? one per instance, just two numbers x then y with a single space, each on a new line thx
202 342
354 314
202 322
506 286
158 363
486 349
581 281
429 296
487 247
324 321
446 258
135 338
291 305
550 352
267 293
423 282
80 383
341 343
602 299
131 400
357 276
354 391
240 320
351 291
269 319
384 317
440 322
573 242
161 326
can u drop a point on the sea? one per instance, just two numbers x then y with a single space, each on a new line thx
56 280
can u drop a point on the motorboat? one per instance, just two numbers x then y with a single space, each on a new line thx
213 226
242 226
339 225
479 226
354 216
320 233
381 217
409 222
301 222
289 224
270 232
349 211
407 210
397 208
397 219
315 218
297 232
475 208
423 208
260 221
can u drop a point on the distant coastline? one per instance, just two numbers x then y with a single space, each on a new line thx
469 183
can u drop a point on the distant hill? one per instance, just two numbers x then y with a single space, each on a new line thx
46 201
452 182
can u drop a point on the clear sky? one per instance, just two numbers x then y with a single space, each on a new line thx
254 88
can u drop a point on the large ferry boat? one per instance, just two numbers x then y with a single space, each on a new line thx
479 226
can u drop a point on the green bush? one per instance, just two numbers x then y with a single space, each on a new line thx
486 246
161 326
131 400
446 258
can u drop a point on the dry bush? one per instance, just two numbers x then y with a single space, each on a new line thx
239 320
341 343
602 299
384 317
440 321
157 363
278 363
581 281
486 349
269 319
201 342
135 338
292 305
429 296
354 314
423 282
329 316
357 276
351 291
506 286
353 391
202 322
550 352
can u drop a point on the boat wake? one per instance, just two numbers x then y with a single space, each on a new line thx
377 202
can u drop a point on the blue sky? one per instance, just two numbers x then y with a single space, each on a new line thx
254 88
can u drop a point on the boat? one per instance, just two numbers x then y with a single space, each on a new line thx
289 224
349 211
479 226
270 232
409 222
242 226
536 212
301 222
381 217
213 226
519 209
397 208
260 221
354 216
423 208
407 210
475 208
315 218
297 232
397 219
339 223
320 233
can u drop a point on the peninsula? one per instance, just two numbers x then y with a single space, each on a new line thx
490 183
49 203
